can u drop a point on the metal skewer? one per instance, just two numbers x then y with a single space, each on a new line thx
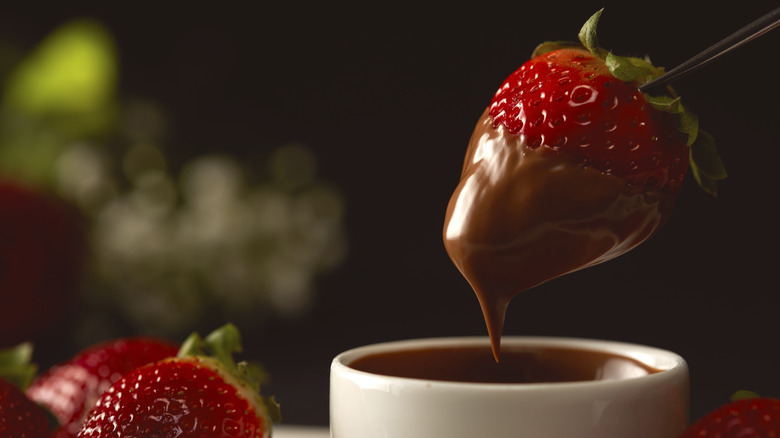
748 33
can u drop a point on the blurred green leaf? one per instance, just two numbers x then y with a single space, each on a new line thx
74 70
16 365
62 91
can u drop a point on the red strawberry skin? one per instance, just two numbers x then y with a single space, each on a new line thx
185 398
71 388
568 101
19 416
746 418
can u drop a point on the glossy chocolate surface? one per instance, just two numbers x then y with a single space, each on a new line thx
517 365
521 216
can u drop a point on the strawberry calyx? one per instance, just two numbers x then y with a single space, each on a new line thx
743 394
18 369
16 366
705 163
217 349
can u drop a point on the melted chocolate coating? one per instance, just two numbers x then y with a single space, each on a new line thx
521 216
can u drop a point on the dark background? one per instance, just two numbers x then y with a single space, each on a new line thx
388 95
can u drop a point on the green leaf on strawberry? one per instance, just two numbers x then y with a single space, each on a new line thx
685 121
626 69
671 105
636 70
588 36
220 345
16 365
551 46
743 394
706 165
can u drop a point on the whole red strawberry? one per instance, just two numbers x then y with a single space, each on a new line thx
41 252
193 395
70 389
569 166
20 417
750 417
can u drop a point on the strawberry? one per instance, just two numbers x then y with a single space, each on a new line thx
69 389
746 416
569 166
192 395
41 252
20 417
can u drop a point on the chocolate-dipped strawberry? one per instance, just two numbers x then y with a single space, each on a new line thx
571 165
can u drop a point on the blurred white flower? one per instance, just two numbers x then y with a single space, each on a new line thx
171 251
83 176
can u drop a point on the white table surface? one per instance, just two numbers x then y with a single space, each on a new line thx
291 431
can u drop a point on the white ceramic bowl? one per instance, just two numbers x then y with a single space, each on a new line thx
366 405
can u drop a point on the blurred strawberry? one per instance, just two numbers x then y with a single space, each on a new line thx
41 251
70 389
746 416
20 417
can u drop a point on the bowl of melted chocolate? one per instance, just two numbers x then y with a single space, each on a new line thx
541 387
517 364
